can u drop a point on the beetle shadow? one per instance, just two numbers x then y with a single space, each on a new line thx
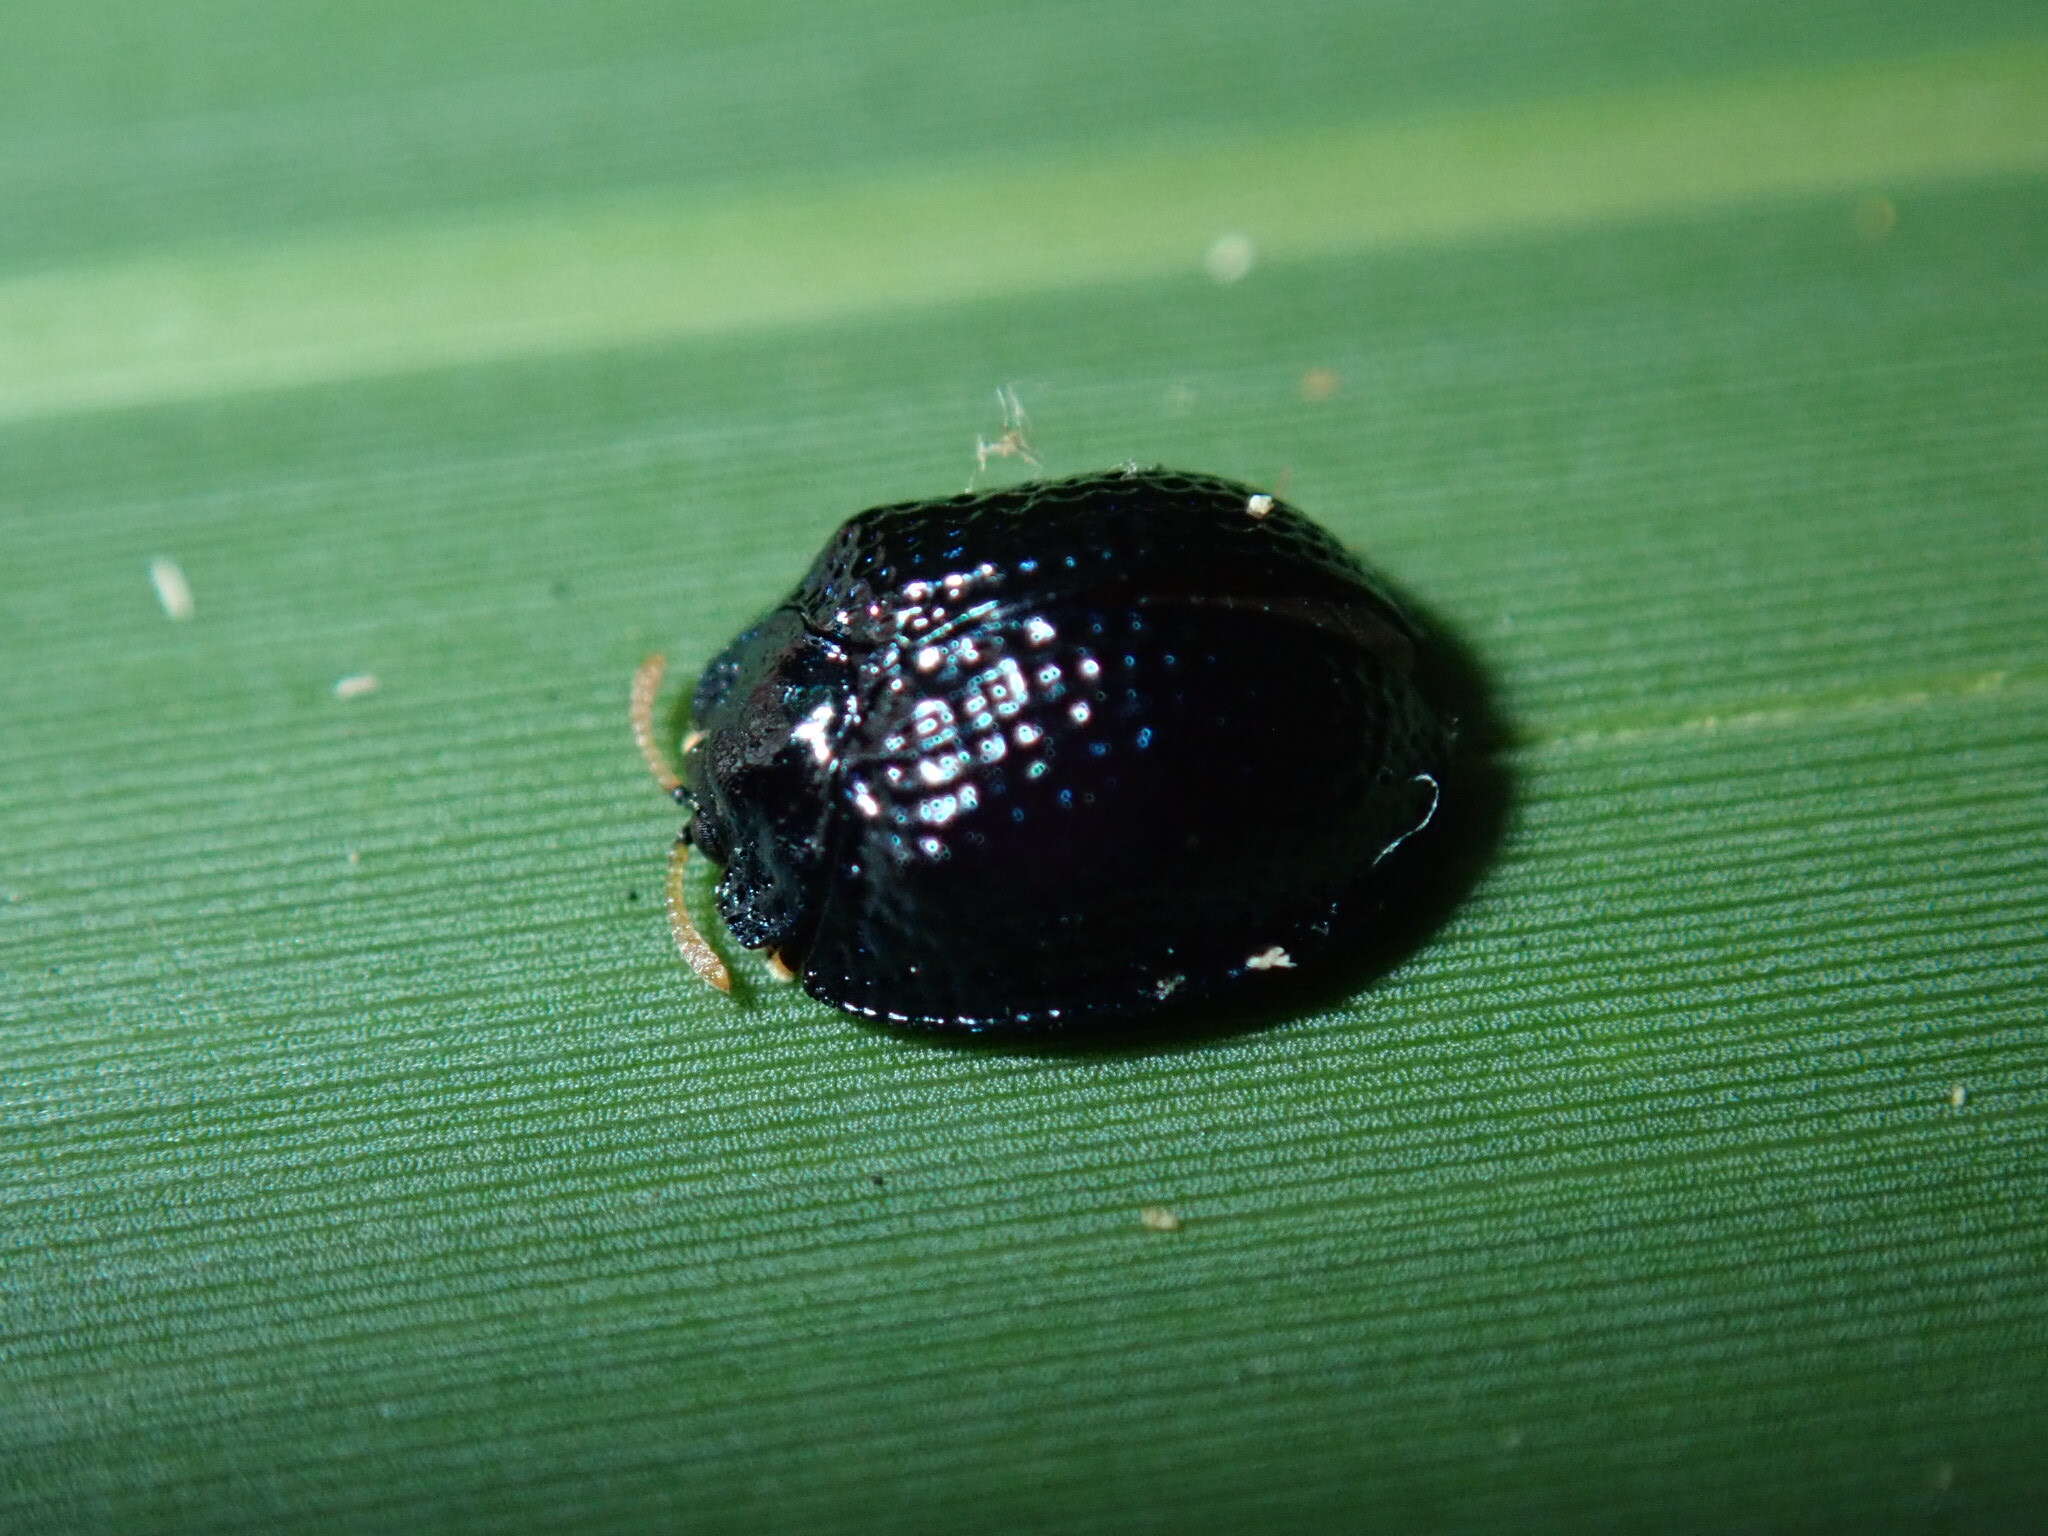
1420 885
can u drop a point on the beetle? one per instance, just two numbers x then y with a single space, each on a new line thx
1076 750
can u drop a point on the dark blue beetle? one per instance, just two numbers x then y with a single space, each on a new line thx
1079 750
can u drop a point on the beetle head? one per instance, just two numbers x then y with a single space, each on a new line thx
771 710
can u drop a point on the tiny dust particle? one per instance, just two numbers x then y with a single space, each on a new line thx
1229 258
172 589
1958 1096
1876 217
1015 443
1320 383
1157 1218
355 685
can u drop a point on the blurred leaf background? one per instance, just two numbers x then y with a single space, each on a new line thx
368 1162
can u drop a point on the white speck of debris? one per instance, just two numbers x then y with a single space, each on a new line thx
1958 1096
172 589
355 858
1015 443
355 685
1270 959
1260 505
1157 1218
1229 258
1166 986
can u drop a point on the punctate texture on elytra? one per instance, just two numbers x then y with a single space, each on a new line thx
1080 749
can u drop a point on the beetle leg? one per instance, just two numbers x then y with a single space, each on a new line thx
702 957
779 968
646 684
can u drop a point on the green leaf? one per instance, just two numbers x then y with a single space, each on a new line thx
368 1161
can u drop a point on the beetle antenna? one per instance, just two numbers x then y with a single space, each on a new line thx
702 957
646 684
